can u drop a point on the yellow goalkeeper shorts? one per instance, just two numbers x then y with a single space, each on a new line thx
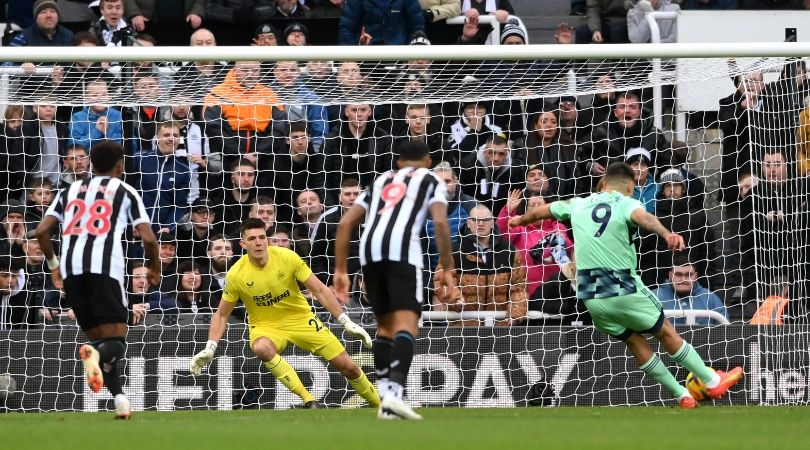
305 332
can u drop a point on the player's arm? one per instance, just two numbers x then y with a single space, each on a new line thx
445 276
219 322
651 223
44 229
152 251
326 298
539 213
350 221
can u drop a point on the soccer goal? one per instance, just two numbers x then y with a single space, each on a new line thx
718 136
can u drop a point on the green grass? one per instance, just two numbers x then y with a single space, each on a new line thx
707 428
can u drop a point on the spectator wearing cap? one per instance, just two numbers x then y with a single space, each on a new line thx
194 231
367 22
292 9
12 219
645 189
491 173
45 31
167 252
675 211
472 129
514 32
296 34
629 126
547 146
266 35
537 182
163 177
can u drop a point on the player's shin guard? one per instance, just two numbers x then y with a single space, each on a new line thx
382 361
687 357
659 372
286 374
110 351
401 356
365 389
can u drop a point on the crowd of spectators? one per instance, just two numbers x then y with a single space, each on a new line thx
262 143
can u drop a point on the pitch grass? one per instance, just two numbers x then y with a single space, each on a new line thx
707 428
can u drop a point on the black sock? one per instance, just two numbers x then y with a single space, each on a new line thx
401 356
110 351
382 357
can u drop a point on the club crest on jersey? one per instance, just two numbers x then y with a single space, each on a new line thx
249 283
280 275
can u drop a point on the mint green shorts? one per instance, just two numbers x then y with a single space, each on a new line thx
623 315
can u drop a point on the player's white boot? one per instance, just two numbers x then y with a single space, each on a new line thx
396 407
123 409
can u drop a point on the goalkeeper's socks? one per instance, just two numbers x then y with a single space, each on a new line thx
659 372
382 360
401 356
110 351
284 372
687 357
365 389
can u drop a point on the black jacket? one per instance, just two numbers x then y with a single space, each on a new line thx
290 177
348 157
323 246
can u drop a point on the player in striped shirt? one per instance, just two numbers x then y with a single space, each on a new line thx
395 209
94 214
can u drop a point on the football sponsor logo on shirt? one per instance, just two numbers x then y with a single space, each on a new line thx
269 300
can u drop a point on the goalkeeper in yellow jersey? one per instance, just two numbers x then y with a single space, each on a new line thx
266 280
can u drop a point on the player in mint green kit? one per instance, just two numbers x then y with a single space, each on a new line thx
608 283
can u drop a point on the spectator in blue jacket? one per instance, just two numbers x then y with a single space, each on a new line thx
164 178
45 31
683 292
288 84
646 189
97 122
370 22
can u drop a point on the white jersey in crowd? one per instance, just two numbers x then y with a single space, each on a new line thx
94 215
396 209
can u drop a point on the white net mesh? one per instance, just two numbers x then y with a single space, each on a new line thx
283 142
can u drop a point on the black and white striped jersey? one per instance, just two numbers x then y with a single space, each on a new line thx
396 209
94 215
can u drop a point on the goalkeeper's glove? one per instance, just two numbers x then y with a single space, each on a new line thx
202 359
355 329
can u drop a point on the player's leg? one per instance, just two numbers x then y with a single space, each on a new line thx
619 317
344 364
267 351
377 293
717 383
109 340
403 326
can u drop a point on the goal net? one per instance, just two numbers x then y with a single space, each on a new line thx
718 145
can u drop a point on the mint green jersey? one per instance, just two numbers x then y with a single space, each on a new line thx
603 243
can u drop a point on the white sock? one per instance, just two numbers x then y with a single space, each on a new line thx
395 389
382 387
711 384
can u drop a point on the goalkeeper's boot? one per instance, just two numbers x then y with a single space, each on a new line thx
688 402
312 404
727 380
90 357
123 409
396 406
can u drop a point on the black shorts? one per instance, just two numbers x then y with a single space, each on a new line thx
96 299
393 286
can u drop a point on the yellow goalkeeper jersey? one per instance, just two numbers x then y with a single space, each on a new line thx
270 294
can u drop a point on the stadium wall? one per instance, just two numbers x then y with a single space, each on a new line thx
474 367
